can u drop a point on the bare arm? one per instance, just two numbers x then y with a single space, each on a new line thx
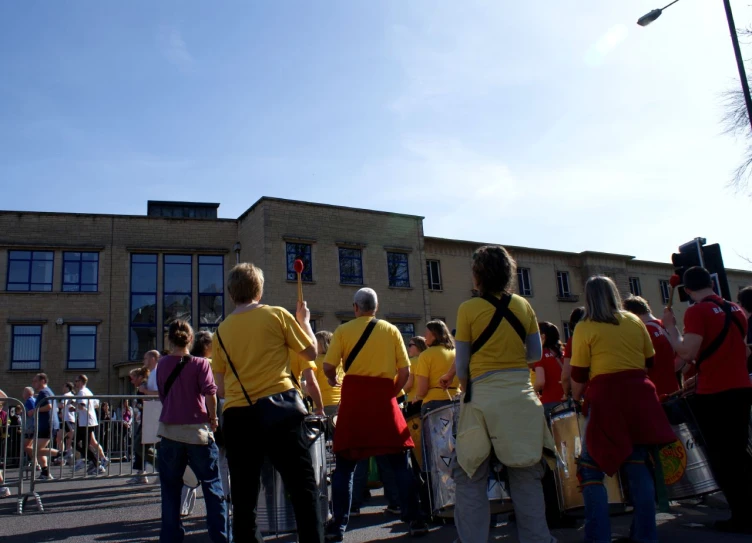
400 380
566 372
448 377
578 390
540 380
313 390
410 382
219 378
211 408
421 387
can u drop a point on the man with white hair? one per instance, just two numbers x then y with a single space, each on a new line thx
370 423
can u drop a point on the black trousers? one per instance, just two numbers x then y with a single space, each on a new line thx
249 441
724 420
83 440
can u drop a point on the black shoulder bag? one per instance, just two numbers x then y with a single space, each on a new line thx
175 373
282 408
359 345
502 312
718 341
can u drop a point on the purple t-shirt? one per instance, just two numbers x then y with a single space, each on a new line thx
185 403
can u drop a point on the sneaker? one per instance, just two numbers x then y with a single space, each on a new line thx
354 512
4 492
47 477
105 462
96 470
332 533
138 480
394 510
418 527
80 464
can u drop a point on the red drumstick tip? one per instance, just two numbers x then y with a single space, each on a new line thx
674 281
298 266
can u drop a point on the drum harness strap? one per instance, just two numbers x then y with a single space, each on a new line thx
175 373
718 341
502 311
361 342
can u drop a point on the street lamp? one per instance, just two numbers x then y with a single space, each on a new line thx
648 18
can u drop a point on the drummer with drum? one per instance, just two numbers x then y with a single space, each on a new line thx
432 364
548 369
715 332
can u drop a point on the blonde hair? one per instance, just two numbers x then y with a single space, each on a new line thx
324 338
602 300
245 283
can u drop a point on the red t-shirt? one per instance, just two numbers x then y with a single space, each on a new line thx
662 373
568 349
552 391
725 369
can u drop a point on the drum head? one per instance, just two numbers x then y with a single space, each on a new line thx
189 478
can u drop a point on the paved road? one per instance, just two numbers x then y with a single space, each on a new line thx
110 510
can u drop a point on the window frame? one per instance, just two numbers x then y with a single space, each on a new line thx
166 293
291 274
353 279
393 281
405 337
635 286
82 361
565 329
665 287
29 272
520 284
221 294
560 276
431 283
80 261
13 336
133 293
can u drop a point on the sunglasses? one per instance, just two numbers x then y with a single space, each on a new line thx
411 344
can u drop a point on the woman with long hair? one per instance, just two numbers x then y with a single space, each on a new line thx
415 346
189 418
610 353
432 364
549 367
574 318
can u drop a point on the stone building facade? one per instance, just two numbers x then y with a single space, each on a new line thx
83 293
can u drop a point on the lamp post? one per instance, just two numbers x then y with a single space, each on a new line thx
648 18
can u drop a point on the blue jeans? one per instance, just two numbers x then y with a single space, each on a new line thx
172 459
360 481
342 491
642 493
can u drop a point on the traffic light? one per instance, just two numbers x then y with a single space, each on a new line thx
696 253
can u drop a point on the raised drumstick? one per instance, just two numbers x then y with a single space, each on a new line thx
674 281
299 266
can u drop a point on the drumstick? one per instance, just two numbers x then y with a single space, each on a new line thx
674 281
449 395
298 266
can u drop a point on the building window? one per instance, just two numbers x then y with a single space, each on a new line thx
634 286
178 284
433 270
313 325
524 283
300 251
82 347
143 317
26 349
407 329
665 290
211 300
399 272
566 330
562 284
350 266
80 272
30 271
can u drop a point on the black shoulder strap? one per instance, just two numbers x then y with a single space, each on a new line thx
359 345
720 338
175 373
502 312
232 367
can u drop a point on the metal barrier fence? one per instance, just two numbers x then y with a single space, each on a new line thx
85 447
11 449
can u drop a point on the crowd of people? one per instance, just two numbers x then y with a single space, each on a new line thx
233 401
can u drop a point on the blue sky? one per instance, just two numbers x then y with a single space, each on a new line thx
555 125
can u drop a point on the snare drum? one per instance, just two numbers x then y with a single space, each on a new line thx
415 425
568 428
686 470
439 439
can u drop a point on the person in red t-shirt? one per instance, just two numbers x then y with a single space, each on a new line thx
548 368
566 383
663 370
724 394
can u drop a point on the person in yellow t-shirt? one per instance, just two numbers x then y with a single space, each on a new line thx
252 373
415 346
432 364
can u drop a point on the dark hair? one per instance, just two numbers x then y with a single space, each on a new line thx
637 305
553 338
419 342
180 333
69 386
745 298
202 342
83 379
493 269
441 333
697 278
42 377
575 317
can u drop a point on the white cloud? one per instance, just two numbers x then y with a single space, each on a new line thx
173 47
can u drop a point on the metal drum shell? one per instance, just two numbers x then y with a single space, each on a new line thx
439 442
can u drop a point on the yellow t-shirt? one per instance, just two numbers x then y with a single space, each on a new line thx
331 395
503 350
433 363
298 365
608 348
257 342
382 355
